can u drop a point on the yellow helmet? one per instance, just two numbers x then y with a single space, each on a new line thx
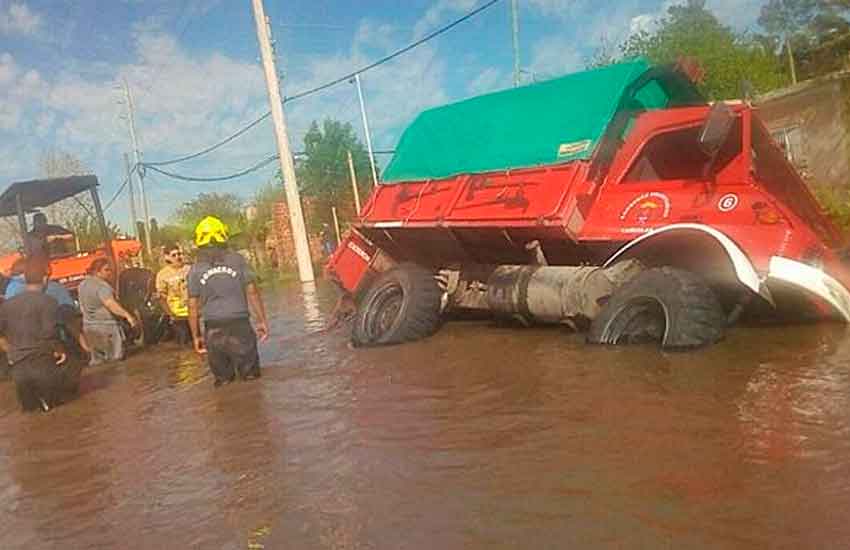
211 229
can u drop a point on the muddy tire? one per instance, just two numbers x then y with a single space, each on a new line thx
136 294
671 306
402 305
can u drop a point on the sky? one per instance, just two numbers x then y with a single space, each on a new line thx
194 72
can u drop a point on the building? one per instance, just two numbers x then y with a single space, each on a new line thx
811 120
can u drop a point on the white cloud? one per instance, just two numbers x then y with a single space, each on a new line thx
489 80
17 18
554 55
438 11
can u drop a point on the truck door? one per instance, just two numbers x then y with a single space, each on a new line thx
664 180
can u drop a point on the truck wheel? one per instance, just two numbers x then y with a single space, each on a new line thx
667 305
402 305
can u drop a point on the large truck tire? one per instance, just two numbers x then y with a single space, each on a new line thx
667 305
402 305
136 294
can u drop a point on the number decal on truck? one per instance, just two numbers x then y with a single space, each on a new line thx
727 202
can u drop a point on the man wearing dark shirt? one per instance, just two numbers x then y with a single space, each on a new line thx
28 323
223 292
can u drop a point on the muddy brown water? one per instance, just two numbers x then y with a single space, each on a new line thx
480 437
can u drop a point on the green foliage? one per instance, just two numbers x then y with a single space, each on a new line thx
226 206
728 58
323 172
836 204
264 201
787 17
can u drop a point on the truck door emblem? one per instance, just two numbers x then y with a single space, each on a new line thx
727 202
647 207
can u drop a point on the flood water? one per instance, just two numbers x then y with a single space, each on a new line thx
479 438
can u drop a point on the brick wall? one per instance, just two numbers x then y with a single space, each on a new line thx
280 246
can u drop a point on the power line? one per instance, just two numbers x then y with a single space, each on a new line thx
334 82
239 174
120 188
211 148
393 55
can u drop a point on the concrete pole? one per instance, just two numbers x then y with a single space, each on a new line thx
336 223
287 165
366 129
515 33
139 171
132 196
354 183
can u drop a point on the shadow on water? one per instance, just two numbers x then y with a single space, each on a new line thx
480 437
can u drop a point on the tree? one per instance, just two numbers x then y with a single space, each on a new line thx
59 164
87 230
786 19
323 172
728 58
225 206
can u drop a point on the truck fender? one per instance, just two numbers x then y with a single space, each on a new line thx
743 268
812 280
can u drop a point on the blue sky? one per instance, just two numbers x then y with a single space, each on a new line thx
194 72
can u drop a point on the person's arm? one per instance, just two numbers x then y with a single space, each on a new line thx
193 288
258 311
195 325
162 294
255 301
117 309
49 327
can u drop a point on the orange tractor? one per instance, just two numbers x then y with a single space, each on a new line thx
68 264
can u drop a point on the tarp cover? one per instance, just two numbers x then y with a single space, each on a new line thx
40 193
550 122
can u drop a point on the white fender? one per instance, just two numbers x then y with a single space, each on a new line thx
744 269
813 280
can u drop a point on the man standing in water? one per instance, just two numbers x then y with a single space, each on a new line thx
29 322
223 292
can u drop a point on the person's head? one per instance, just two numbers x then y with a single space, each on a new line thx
211 231
39 219
36 273
101 268
173 255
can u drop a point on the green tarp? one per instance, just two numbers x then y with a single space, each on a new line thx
549 122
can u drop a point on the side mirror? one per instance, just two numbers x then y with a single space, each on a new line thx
716 128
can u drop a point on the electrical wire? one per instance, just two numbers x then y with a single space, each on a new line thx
211 148
117 194
239 174
393 55
334 82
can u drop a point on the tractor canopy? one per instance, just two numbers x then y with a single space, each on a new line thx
551 122
40 193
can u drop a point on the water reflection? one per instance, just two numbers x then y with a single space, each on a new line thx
479 437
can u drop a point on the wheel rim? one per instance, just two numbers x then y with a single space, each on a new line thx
383 311
638 321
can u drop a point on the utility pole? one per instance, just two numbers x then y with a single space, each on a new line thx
354 183
132 196
336 224
137 157
515 32
366 129
287 165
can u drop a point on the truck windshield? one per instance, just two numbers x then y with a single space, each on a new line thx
773 171
676 155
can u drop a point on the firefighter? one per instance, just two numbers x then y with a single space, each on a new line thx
223 292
